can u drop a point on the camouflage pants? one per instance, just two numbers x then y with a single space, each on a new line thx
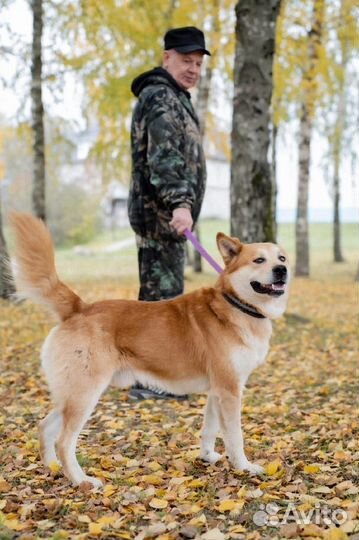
161 268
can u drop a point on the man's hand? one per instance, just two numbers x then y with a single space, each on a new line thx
181 220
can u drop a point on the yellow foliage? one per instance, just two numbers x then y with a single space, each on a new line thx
272 468
116 41
308 36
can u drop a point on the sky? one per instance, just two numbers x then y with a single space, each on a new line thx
69 107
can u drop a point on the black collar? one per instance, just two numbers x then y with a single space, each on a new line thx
246 308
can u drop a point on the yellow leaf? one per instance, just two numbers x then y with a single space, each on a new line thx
158 504
311 469
54 466
106 463
237 529
95 528
154 466
14 524
152 479
195 509
272 467
228 505
106 520
198 520
335 534
197 483
109 490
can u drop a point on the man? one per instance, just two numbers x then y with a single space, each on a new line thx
168 165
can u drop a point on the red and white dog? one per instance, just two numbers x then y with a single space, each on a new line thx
206 341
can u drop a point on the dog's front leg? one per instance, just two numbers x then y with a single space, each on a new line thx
230 422
210 430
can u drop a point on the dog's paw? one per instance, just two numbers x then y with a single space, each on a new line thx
90 482
210 457
245 465
252 468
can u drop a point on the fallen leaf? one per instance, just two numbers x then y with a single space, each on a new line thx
159 504
213 534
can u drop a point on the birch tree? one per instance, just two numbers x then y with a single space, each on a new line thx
37 109
314 41
252 217
342 106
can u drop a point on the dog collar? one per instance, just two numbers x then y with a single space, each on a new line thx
245 308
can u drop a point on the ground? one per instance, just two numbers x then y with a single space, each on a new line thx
300 421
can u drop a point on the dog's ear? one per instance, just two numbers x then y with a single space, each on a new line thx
228 247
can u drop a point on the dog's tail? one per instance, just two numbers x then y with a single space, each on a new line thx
35 272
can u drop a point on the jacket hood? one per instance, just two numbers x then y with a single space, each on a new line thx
156 75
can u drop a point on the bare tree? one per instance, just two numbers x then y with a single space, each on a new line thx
202 101
305 135
201 109
274 142
252 217
37 109
337 150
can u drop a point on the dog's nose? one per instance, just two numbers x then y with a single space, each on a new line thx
280 271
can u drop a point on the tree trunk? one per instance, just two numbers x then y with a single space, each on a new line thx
301 226
7 287
252 218
274 180
338 147
337 245
38 190
201 109
305 134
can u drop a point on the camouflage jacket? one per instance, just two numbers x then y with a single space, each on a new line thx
168 165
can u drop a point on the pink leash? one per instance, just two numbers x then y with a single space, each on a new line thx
191 237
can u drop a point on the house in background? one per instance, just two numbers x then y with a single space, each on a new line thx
215 205
114 206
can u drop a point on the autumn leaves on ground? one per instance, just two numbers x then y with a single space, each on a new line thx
300 421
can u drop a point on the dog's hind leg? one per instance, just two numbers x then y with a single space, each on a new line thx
210 430
48 430
76 411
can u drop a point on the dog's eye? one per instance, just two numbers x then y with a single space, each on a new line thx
260 260
282 258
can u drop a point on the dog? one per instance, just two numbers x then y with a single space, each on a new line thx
207 341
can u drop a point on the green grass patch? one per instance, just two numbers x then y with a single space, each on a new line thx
98 265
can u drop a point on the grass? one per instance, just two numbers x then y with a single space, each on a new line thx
122 265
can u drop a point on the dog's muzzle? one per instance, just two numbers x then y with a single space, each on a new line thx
277 287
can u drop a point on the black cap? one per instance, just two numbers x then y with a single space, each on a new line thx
185 40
